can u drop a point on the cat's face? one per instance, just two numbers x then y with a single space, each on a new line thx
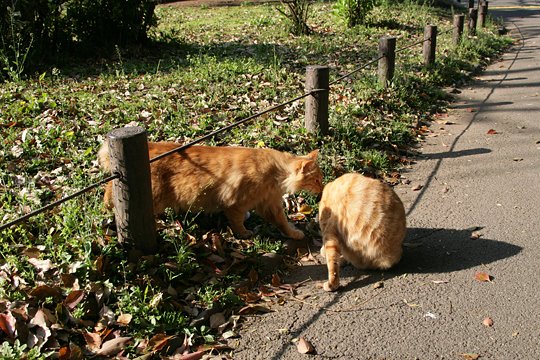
310 175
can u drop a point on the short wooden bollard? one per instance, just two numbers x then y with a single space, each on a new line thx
471 25
317 78
430 44
459 21
387 60
132 191
482 13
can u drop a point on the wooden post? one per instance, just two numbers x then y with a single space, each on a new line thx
482 13
430 44
317 77
459 20
132 192
387 61
473 15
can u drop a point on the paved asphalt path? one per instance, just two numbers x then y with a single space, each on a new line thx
431 306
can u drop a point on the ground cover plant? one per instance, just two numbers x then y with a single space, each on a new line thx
67 289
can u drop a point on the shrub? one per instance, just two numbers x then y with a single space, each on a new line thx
33 31
105 23
354 12
297 12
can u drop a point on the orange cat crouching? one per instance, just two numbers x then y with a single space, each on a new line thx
363 220
234 180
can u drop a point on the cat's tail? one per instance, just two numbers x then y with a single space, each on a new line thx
103 156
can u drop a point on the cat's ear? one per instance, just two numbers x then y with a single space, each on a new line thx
306 166
313 155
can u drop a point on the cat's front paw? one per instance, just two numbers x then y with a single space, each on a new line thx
296 234
330 287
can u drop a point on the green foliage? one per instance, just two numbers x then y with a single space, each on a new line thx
18 351
218 295
354 12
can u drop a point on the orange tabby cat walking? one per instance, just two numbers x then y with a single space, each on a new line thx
363 220
234 180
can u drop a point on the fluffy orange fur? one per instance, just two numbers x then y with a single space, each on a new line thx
234 180
363 221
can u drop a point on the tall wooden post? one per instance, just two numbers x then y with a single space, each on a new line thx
459 21
387 60
482 13
471 26
317 78
430 44
132 192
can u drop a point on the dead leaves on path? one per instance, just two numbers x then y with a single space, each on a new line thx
470 356
304 347
483 276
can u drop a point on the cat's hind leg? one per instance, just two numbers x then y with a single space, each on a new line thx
236 219
332 253
275 214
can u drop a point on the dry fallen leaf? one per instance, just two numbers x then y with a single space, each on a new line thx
73 299
114 346
439 281
482 276
7 324
93 340
124 319
445 122
492 132
254 308
304 346
305 209
191 356
158 341
276 280
470 356
488 322
476 235
417 187
378 285
41 265
216 320
44 291
253 276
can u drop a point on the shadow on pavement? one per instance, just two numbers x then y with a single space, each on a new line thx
425 251
455 154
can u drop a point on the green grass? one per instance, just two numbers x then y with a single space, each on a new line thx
205 68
